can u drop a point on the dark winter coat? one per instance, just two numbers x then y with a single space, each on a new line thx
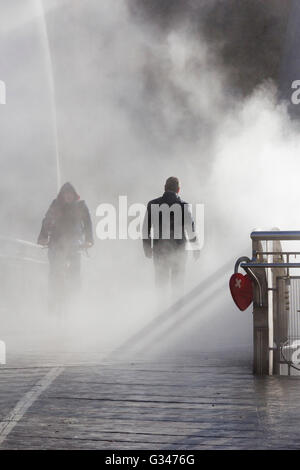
67 223
181 228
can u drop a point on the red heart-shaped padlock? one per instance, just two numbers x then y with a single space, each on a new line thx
241 290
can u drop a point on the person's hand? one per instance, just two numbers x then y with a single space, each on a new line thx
148 253
43 241
196 254
88 245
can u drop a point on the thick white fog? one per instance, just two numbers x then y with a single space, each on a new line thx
122 102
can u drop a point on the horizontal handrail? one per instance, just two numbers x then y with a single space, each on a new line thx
20 258
285 253
20 241
270 265
275 235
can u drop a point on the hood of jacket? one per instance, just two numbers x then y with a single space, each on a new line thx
67 187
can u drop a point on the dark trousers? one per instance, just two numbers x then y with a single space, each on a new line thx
64 276
169 267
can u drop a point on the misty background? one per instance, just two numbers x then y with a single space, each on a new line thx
124 94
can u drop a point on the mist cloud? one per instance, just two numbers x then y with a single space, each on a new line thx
145 90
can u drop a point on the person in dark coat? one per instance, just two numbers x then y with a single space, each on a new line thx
66 229
168 226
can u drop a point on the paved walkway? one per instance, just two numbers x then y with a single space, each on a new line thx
195 401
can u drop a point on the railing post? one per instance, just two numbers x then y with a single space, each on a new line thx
260 320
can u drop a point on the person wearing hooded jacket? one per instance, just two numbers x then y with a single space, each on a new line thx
66 228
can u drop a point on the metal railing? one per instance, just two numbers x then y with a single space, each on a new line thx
23 280
276 298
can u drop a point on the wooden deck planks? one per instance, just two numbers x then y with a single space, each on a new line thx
192 403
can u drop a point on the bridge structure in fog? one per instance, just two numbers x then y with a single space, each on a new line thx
53 399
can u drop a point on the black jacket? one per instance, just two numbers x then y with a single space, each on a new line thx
67 223
170 218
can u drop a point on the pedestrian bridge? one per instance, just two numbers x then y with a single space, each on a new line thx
123 398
